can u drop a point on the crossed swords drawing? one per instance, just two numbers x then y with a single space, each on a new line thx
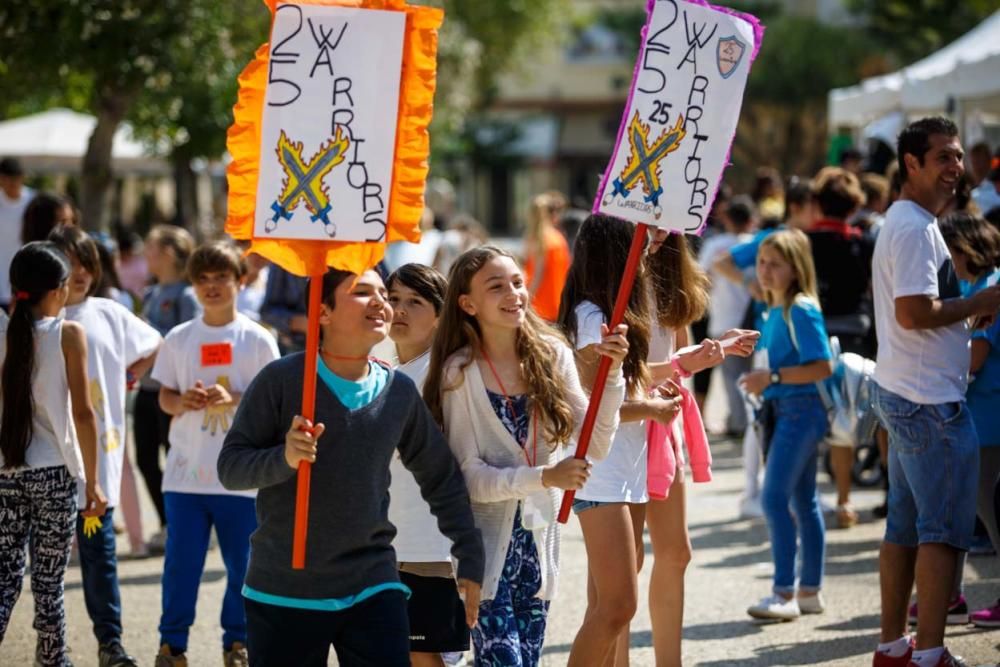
304 180
644 162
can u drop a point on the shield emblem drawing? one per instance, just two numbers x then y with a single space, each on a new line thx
729 54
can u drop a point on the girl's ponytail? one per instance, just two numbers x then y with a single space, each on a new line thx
37 269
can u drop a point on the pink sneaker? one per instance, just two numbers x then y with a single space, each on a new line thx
987 618
958 612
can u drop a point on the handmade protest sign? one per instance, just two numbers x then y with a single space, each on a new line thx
673 143
681 115
329 145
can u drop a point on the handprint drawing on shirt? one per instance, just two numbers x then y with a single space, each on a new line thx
110 439
217 416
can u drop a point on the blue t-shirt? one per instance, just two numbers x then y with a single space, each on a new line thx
745 254
983 396
808 343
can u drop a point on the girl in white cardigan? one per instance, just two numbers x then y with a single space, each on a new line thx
505 388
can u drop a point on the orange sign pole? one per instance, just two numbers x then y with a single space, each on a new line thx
309 412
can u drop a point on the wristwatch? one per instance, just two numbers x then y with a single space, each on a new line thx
775 377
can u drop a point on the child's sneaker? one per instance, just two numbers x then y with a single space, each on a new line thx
812 604
236 656
885 660
167 659
775 608
987 618
958 612
946 660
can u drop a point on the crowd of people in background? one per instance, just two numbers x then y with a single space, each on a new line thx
439 532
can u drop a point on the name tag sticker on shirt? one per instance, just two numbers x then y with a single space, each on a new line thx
216 354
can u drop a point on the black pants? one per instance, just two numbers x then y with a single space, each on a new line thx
151 426
373 633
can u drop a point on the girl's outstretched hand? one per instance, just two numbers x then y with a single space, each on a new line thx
614 344
740 342
696 358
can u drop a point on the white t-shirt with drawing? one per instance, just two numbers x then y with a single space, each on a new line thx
116 339
926 366
229 355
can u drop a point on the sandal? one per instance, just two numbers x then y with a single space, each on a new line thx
846 516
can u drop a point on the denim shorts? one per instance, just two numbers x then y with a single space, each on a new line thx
933 471
580 505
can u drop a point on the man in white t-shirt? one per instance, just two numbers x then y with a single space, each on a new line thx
923 366
14 197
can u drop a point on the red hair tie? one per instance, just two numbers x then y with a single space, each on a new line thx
21 295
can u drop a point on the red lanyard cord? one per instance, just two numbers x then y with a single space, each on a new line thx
510 406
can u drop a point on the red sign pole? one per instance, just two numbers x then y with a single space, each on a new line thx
309 412
621 302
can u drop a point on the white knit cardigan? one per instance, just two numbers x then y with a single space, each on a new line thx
494 465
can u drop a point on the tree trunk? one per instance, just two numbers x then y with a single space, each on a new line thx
96 175
185 194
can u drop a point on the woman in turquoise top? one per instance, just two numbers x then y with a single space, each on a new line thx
975 251
798 356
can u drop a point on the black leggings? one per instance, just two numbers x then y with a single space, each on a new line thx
373 633
151 426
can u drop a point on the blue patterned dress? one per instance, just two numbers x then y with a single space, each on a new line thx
511 627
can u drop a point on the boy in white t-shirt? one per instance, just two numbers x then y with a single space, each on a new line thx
921 377
203 368
118 344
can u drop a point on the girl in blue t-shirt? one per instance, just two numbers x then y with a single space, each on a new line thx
798 355
975 251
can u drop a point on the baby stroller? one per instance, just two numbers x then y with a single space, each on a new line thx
847 395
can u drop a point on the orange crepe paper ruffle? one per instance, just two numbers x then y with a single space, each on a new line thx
409 172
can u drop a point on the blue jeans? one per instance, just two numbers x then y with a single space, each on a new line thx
191 517
99 567
790 480
933 471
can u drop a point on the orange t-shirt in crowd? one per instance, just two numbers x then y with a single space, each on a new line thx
557 260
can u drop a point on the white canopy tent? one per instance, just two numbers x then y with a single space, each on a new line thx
961 78
55 141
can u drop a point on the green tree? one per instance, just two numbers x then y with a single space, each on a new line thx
912 29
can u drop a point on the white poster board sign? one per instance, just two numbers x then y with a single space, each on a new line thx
680 118
329 126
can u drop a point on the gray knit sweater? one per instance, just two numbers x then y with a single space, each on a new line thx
349 545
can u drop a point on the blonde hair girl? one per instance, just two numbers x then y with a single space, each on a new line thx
798 357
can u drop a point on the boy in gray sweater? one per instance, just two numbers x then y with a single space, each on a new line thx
349 596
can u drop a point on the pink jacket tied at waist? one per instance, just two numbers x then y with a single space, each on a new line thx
661 462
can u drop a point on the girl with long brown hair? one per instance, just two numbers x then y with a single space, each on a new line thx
505 388
616 502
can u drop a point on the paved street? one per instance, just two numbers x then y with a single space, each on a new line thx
730 569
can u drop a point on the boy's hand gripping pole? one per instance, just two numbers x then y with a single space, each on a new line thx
617 315
309 412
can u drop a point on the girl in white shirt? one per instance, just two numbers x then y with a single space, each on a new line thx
437 613
506 390
48 440
615 503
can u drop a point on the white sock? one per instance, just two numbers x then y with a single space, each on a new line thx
928 657
895 649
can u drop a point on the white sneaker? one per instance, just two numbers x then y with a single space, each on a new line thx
750 508
775 608
812 604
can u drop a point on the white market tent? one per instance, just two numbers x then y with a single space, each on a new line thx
55 141
962 78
